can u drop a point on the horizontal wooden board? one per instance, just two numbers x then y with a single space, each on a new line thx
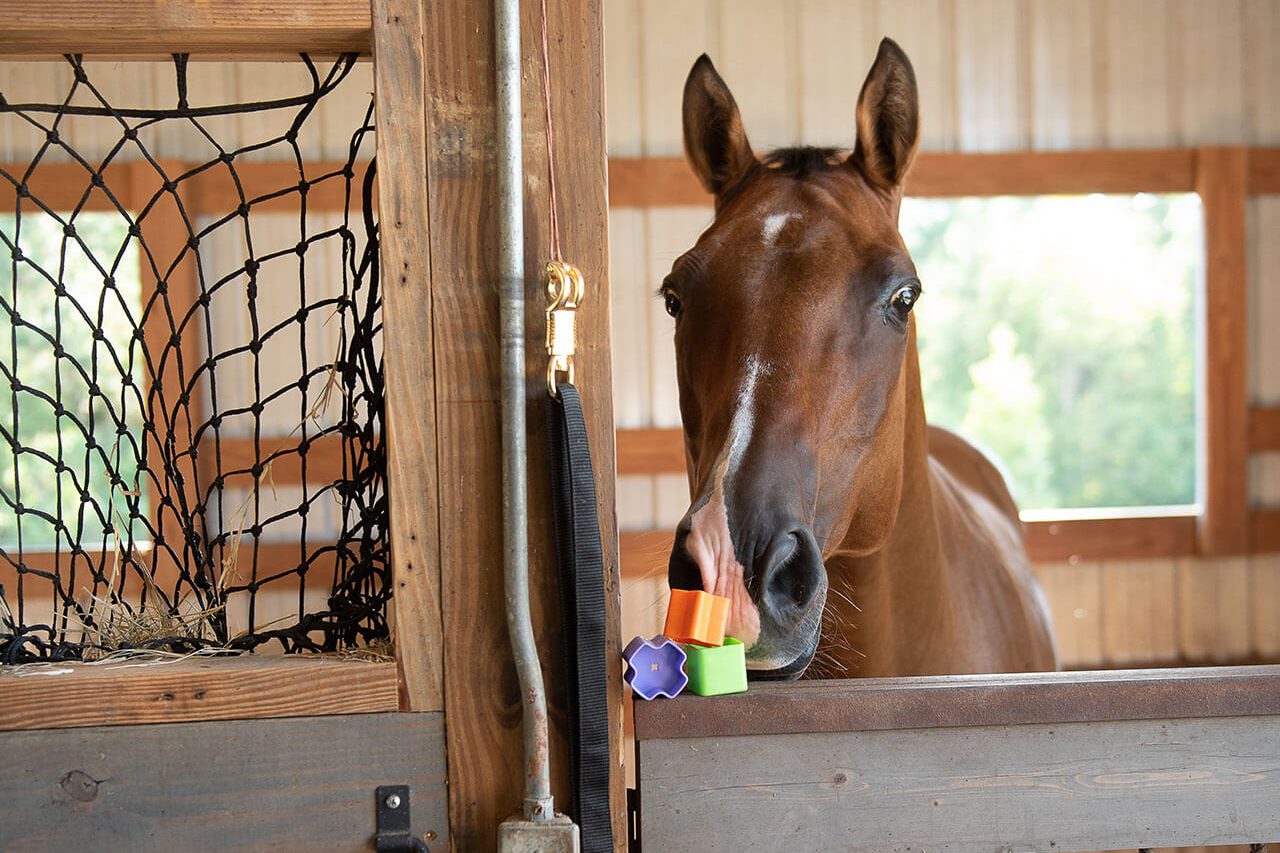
1126 537
266 187
227 29
1063 787
966 700
274 559
1264 530
1264 429
67 695
239 455
296 784
668 181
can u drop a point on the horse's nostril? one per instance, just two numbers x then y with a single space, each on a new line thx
791 572
682 569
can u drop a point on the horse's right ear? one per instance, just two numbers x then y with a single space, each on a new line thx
714 138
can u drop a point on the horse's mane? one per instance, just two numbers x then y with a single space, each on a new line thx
798 162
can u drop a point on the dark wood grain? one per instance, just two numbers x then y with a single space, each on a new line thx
966 700
296 784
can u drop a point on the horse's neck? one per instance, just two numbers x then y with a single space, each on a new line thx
895 593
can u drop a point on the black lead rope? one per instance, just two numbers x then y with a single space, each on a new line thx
583 601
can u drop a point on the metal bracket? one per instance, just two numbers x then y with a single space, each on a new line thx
392 832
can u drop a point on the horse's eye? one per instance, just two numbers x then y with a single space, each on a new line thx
672 302
905 298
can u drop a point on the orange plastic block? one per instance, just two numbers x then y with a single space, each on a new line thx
697 617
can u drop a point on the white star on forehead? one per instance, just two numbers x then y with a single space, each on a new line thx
773 226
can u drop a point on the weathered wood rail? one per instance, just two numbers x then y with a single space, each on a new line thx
1058 761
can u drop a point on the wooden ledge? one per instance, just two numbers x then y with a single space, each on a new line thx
69 695
953 701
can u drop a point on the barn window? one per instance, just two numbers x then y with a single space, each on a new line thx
62 394
1059 333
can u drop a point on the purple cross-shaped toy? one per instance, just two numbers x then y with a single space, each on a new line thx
655 667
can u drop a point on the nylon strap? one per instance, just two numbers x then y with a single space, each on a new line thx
582 599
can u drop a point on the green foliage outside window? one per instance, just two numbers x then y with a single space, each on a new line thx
1059 334
29 419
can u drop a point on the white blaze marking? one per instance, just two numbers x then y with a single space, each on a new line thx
710 541
773 226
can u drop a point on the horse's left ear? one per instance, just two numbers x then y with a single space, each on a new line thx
888 119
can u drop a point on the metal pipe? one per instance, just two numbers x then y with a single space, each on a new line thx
537 790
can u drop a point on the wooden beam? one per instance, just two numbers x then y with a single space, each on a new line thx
69 695
1053 172
228 29
409 349
668 181
252 785
486 765
1118 785
651 450
274 558
1264 531
1221 182
68 186
282 464
1132 537
171 343
1264 171
1264 429
957 701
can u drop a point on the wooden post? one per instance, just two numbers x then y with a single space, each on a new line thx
170 288
408 344
486 770
1221 181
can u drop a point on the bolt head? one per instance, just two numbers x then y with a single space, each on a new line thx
393 801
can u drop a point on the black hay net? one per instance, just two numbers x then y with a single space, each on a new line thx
191 396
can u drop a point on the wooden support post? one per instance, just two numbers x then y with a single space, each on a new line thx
486 768
409 350
1221 181
172 347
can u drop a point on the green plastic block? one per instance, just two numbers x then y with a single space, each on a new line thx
717 670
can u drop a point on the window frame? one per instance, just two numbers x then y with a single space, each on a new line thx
1229 429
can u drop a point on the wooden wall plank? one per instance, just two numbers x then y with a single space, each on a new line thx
1220 180
1262 71
409 347
65 695
675 32
925 29
1208 74
162 27
1139 611
836 43
1213 608
758 57
1136 74
1264 596
1073 786
670 232
991 89
633 294
254 785
1063 87
1264 299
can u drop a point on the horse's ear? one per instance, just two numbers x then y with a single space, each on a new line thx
714 138
888 118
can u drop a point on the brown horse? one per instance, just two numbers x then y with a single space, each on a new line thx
846 531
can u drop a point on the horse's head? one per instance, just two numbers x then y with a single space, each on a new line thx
792 321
